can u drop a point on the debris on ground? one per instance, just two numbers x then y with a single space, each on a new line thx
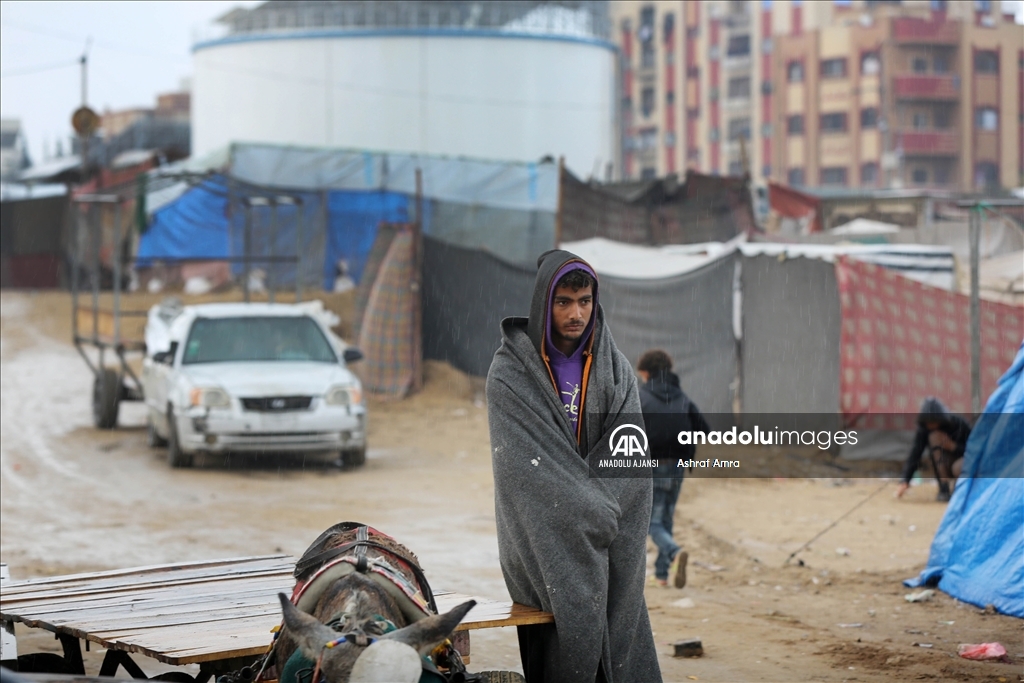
920 596
982 652
691 647
684 603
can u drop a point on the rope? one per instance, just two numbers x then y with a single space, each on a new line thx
830 526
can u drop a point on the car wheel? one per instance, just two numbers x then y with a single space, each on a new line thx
153 439
106 395
353 458
175 456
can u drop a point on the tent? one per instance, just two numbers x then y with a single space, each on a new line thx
978 552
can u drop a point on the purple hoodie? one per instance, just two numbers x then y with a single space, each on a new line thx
568 371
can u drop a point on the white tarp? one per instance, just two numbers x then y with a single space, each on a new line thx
865 226
638 262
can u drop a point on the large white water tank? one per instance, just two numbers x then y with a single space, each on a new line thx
508 80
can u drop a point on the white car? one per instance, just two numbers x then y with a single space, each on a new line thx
255 378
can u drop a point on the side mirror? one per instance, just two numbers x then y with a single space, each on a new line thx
161 356
352 355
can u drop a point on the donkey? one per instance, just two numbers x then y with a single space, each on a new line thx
361 611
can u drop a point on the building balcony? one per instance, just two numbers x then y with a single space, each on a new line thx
927 87
929 143
935 31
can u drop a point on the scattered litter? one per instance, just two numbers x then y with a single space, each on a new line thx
854 625
710 567
925 645
845 552
534 462
684 603
691 647
920 596
912 527
947 623
914 631
871 613
693 678
814 580
982 652
989 609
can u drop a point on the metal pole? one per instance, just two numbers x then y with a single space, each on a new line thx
246 234
76 257
299 217
975 238
116 256
273 247
94 231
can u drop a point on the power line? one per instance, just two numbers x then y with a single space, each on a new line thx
38 69
60 35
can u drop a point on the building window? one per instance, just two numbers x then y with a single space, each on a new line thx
919 65
940 64
714 135
870 64
986 175
939 5
739 88
920 120
693 72
986 118
739 46
668 26
795 72
647 101
766 130
648 173
795 124
833 176
647 138
833 68
869 117
942 175
919 176
647 56
766 170
833 123
986 62
739 128
735 168
984 6
627 104
670 97
795 177
869 173
670 139
943 119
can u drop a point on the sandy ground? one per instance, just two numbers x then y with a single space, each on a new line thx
76 499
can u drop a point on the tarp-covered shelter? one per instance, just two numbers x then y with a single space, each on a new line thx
977 555
703 208
34 241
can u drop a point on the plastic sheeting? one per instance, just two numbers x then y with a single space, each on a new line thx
498 184
468 292
977 555
195 226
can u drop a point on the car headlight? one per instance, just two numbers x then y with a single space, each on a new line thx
346 395
209 397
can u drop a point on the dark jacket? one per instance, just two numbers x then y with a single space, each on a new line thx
668 411
954 426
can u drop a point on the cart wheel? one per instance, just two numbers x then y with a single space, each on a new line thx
174 677
106 395
154 440
500 677
353 458
175 456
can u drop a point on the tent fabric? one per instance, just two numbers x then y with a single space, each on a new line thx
643 262
689 316
195 226
386 331
499 184
977 555
353 217
902 340
789 203
790 348
865 226
702 209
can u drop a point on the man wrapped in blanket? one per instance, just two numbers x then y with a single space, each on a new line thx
570 543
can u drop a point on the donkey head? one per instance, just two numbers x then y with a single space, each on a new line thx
390 658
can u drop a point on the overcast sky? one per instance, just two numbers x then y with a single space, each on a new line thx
137 50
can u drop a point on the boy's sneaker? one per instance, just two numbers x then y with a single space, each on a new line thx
677 570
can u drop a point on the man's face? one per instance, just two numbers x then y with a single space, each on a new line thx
570 312
931 425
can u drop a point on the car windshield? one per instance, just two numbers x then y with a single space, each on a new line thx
225 340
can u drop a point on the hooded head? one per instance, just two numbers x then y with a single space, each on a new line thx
932 412
576 316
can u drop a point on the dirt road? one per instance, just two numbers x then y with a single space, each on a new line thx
76 499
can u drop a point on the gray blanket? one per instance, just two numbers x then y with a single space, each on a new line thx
569 543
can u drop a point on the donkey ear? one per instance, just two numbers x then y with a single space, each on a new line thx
309 634
426 634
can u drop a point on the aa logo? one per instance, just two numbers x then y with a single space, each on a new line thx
628 440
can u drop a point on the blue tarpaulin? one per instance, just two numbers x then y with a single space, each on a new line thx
353 217
978 552
193 226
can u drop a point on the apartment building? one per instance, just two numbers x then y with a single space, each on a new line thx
706 85
924 95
